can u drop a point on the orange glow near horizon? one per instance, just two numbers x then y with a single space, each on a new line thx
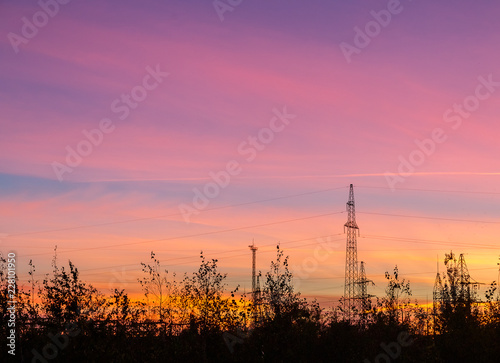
270 96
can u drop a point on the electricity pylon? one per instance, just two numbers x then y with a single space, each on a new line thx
351 285
437 292
364 297
459 286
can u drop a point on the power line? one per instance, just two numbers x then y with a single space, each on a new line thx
372 213
388 238
381 276
432 190
314 216
174 214
194 235
434 242
195 258
249 203
424 217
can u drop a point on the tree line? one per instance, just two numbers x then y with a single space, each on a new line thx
197 318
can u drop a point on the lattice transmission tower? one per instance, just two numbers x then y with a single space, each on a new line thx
457 285
437 292
364 297
351 285
465 291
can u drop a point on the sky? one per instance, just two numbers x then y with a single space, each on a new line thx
179 127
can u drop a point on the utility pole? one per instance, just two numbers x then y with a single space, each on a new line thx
255 287
254 249
351 285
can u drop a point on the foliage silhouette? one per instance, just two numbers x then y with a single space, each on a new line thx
200 320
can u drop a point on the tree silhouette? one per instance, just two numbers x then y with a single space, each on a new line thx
157 285
203 296
213 324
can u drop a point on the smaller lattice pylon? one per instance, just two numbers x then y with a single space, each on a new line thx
437 292
465 292
462 287
468 286
363 282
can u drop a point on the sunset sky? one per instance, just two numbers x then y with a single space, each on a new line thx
116 117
